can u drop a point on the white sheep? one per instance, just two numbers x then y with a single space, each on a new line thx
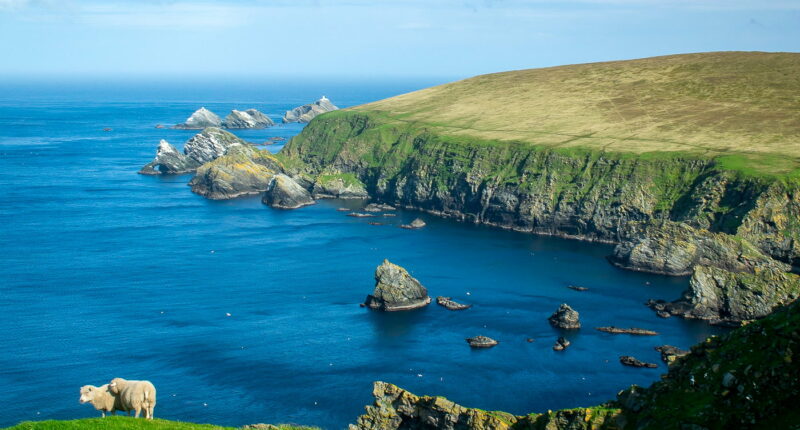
101 398
138 396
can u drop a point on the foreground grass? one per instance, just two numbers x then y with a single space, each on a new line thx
126 423
744 106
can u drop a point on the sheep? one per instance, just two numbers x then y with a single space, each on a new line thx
138 396
101 398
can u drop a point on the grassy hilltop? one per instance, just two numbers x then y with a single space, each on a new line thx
745 105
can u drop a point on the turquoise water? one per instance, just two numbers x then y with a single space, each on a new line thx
107 273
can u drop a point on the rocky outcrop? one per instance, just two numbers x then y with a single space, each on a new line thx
565 318
168 161
251 118
378 207
338 185
396 290
627 360
306 113
285 193
416 224
481 342
202 148
561 344
721 296
633 330
200 119
450 304
673 248
670 353
243 170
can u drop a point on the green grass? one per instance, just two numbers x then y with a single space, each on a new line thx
740 107
126 423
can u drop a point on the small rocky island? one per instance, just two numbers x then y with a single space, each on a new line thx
396 290
200 119
481 342
449 304
247 119
634 362
285 193
202 148
417 223
306 113
565 318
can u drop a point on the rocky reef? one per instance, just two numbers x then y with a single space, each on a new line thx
200 119
202 148
306 113
565 318
250 118
396 290
285 193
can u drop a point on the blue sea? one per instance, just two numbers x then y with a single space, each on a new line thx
239 313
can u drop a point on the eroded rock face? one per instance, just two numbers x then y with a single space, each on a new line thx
396 290
243 170
201 148
306 113
251 118
200 119
338 185
565 318
285 193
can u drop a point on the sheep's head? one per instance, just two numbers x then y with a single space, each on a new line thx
116 385
87 393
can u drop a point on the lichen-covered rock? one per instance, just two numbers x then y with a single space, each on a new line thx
200 119
481 342
251 118
396 290
285 193
451 304
565 318
243 170
168 161
718 295
673 248
201 148
339 185
670 353
772 222
306 113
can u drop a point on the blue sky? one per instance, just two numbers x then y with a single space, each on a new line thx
370 38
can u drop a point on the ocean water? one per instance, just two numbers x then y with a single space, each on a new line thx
106 273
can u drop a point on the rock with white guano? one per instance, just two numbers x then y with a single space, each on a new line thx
306 113
250 118
201 118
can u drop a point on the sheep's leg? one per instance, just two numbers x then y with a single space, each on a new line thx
152 408
138 411
103 414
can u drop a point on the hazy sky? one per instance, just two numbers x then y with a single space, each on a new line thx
371 38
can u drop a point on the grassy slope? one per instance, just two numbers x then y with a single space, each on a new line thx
741 106
125 423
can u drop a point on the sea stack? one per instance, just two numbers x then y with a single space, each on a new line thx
396 290
306 113
203 147
286 193
251 118
565 317
200 119
417 223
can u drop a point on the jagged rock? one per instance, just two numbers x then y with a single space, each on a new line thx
285 193
670 353
306 113
251 118
417 223
243 170
378 207
168 161
632 330
633 362
338 185
396 290
360 215
481 342
674 248
450 304
201 148
565 317
200 119
720 296
561 344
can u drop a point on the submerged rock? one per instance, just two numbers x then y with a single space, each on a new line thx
450 304
201 148
670 353
481 342
251 118
360 215
632 330
306 113
633 362
417 223
396 290
565 317
577 288
561 344
200 119
285 193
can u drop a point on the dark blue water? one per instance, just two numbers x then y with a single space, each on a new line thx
107 273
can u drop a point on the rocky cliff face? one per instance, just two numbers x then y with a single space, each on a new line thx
243 170
202 148
307 112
